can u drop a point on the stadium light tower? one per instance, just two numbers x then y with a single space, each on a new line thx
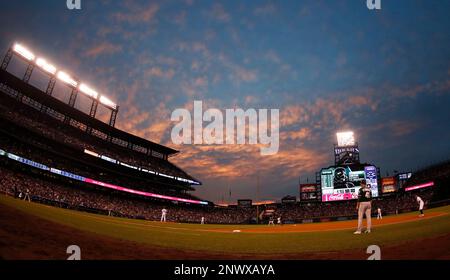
114 110
66 78
345 138
24 52
44 65
28 56
88 91
107 102
346 151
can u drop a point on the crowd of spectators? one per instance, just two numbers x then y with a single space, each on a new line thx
74 135
112 203
429 173
80 197
34 149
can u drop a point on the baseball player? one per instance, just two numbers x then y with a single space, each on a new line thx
271 221
279 221
421 204
202 221
379 216
27 195
163 215
364 206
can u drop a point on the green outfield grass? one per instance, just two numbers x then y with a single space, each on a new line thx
200 238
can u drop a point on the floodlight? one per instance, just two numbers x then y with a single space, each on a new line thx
18 48
105 101
63 76
88 91
345 138
46 66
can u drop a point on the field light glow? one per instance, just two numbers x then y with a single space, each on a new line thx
345 138
88 91
19 49
46 66
63 76
105 101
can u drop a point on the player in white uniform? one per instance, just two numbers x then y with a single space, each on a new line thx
421 204
27 195
379 216
279 221
163 215
202 221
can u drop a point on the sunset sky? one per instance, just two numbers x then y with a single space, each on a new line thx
326 65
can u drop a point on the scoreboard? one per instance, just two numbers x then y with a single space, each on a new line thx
343 182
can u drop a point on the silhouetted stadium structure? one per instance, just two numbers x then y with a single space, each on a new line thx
64 157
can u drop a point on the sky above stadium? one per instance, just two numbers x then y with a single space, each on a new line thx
326 65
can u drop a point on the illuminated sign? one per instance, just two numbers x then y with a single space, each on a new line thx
308 187
388 185
244 203
95 182
138 168
404 176
343 182
371 179
429 184
108 159
347 149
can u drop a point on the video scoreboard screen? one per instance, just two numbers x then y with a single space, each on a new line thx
343 182
244 203
309 192
388 185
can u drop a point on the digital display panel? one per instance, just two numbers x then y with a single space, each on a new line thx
308 188
388 185
244 203
308 196
343 182
404 176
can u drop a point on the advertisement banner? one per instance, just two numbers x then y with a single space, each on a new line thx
429 184
388 185
338 196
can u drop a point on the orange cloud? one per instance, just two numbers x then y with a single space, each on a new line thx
138 14
158 72
102 49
